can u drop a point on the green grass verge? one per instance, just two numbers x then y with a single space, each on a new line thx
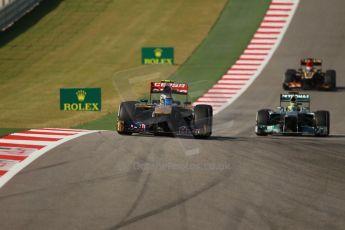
107 122
224 44
4 132
84 43
226 41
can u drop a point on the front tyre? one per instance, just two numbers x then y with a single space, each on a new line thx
203 115
290 76
125 117
322 121
330 79
262 121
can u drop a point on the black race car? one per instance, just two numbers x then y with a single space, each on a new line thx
165 116
310 76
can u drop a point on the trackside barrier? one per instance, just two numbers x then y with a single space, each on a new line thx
14 10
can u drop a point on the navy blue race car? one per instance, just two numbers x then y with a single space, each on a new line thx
164 115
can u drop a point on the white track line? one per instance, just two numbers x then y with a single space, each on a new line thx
12 167
39 135
254 59
68 130
26 142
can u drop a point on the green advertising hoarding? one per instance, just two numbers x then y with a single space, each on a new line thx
157 55
80 99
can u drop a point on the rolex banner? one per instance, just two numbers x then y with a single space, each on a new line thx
157 55
80 99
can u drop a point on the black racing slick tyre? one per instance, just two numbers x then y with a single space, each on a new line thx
322 119
262 119
289 76
331 79
125 116
203 116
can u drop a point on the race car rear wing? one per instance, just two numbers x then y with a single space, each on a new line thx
177 88
316 61
299 97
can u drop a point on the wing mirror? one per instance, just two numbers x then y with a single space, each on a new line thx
144 101
281 109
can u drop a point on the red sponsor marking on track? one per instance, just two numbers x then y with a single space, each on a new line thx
271 27
255 54
244 69
23 138
223 93
262 43
268 32
11 157
67 130
218 97
274 21
238 74
277 15
47 133
258 48
279 9
282 4
210 101
21 145
230 83
2 172
225 88
247 64
251 59
235 79
268 38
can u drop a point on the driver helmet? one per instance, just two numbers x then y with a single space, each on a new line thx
293 102
166 96
309 65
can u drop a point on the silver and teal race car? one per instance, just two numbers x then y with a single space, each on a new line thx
293 119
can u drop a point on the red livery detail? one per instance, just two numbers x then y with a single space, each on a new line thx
177 88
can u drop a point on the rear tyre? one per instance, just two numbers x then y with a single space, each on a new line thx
289 76
322 119
203 115
125 116
330 79
262 119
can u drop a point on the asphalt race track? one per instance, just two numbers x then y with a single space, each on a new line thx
235 180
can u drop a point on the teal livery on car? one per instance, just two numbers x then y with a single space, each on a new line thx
293 117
